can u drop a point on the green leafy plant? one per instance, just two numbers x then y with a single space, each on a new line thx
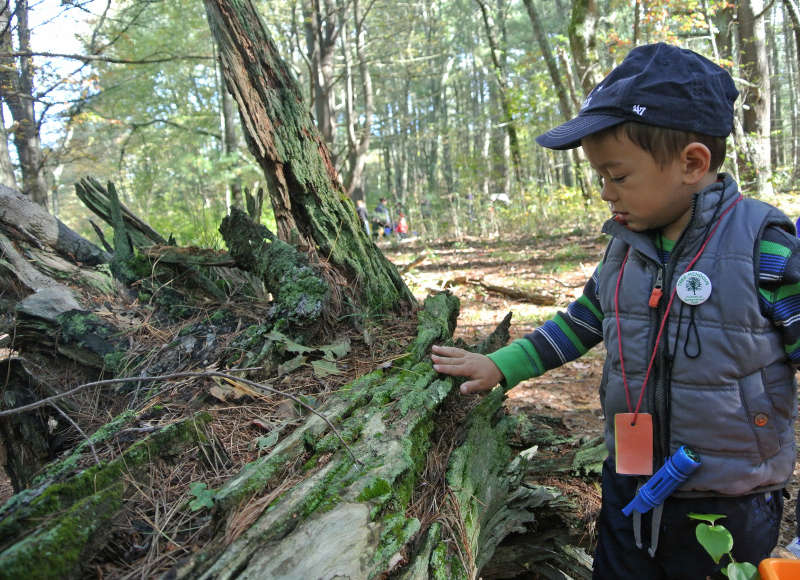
718 542
203 497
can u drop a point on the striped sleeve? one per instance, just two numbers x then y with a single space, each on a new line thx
561 339
779 286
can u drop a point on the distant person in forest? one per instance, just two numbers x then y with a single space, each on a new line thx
381 220
697 299
401 228
361 210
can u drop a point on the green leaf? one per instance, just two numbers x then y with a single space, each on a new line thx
337 349
288 343
741 571
268 440
710 518
716 540
204 497
291 364
323 368
308 400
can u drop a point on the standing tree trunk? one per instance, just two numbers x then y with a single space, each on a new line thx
584 180
583 42
792 9
323 24
7 176
229 141
310 207
757 167
500 77
16 88
358 139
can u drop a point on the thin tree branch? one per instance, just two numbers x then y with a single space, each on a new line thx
101 58
79 430
207 374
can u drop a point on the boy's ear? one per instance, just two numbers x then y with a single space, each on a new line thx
695 162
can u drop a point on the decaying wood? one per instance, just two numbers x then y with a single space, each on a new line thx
96 197
28 221
420 449
515 293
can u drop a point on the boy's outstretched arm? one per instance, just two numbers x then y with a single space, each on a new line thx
482 373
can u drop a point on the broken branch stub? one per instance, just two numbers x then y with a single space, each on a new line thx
300 293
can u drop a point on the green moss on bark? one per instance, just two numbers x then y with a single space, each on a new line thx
25 512
61 549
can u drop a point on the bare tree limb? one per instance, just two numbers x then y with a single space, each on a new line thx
102 58
106 382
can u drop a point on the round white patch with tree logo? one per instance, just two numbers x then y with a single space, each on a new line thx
693 287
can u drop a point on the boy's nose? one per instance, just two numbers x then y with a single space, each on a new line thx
606 194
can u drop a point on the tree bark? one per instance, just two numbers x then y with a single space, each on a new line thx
502 88
756 170
310 208
16 87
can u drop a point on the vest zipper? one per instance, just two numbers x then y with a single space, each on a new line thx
661 390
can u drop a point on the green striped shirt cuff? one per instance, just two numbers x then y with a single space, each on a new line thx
517 361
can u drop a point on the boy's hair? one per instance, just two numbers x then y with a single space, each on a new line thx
665 144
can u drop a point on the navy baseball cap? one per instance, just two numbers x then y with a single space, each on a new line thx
656 84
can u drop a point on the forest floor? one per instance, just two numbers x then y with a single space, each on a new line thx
557 267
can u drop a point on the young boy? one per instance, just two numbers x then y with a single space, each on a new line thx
697 299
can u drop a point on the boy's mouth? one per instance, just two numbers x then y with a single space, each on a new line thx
620 218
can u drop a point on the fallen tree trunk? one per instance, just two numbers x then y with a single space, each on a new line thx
416 481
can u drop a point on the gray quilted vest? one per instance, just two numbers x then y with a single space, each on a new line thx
735 402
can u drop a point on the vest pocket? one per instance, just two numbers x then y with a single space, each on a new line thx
735 419
761 414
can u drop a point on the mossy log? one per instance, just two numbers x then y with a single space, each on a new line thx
417 481
54 528
356 512
300 293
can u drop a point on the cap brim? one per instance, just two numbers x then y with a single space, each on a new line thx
569 134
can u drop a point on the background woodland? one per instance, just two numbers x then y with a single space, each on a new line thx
433 105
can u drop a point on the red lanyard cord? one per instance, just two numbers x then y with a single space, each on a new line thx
663 320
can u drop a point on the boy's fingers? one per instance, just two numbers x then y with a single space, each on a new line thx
448 351
466 388
457 370
472 387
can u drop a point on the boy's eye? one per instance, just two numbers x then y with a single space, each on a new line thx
619 179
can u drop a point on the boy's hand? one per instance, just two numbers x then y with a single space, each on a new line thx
480 369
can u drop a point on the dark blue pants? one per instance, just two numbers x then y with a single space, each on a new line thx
753 520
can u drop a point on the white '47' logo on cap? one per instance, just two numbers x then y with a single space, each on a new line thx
639 109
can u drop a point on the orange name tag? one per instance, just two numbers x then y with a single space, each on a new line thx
634 443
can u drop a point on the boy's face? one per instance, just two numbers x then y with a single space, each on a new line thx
642 194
